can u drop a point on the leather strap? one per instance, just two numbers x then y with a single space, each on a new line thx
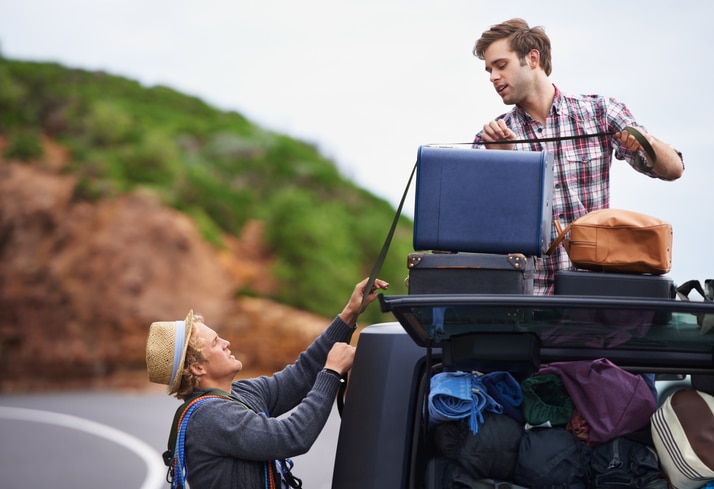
561 236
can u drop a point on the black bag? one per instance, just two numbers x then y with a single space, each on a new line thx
551 458
489 454
622 463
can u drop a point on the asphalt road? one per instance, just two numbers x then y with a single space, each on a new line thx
112 440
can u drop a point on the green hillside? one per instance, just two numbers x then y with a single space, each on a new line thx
213 165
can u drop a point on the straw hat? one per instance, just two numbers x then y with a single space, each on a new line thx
166 351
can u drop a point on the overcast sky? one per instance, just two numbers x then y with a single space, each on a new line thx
370 81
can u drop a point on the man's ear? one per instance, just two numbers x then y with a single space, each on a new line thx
533 58
196 369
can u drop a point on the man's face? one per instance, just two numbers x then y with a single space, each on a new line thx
512 79
218 361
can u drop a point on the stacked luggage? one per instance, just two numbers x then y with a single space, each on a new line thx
481 218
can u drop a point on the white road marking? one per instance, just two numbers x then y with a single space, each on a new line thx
156 471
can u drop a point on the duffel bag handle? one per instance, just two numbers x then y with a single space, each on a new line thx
560 238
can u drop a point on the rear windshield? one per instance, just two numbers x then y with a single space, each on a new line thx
646 332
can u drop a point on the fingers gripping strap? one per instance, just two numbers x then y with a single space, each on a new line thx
646 146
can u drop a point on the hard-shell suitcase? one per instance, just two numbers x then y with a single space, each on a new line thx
470 273
483 201
613 284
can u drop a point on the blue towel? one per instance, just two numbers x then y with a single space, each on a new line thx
460 395
507 392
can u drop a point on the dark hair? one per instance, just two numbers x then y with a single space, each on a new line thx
521 38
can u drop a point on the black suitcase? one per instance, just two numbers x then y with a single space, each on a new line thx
470 273
617 285
613 284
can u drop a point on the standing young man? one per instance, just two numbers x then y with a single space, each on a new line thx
237 437
517 58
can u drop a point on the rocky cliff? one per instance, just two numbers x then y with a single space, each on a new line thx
80 283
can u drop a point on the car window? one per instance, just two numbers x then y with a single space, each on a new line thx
650 332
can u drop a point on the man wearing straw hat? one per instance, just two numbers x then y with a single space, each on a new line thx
228 434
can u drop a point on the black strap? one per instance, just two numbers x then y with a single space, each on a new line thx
387 242
640 162
373 276
547 140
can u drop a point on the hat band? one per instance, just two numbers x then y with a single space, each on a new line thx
178 348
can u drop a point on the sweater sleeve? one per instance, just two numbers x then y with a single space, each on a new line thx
282 391
225 428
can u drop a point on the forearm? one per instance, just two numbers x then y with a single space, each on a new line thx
669 165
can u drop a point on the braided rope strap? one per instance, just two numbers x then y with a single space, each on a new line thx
178 472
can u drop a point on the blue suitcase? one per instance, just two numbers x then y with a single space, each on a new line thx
483 201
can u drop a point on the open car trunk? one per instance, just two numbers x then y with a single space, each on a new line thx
385 441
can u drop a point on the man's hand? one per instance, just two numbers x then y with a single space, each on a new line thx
498 131
340 358
669 164
631 142
352 310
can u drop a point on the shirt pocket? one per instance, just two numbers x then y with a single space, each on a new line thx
586 166
585 178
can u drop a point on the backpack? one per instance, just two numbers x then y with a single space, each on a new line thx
175 459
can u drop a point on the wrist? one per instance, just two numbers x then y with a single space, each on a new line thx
349 316
332 372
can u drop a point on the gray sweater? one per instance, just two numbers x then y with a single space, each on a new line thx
228 442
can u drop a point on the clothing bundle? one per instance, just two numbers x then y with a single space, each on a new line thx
571 424
462 395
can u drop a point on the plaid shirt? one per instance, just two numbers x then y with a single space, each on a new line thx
582 166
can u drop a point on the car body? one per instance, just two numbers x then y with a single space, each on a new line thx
383 441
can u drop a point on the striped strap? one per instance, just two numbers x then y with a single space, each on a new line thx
178 471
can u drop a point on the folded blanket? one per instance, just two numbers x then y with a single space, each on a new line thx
460 395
